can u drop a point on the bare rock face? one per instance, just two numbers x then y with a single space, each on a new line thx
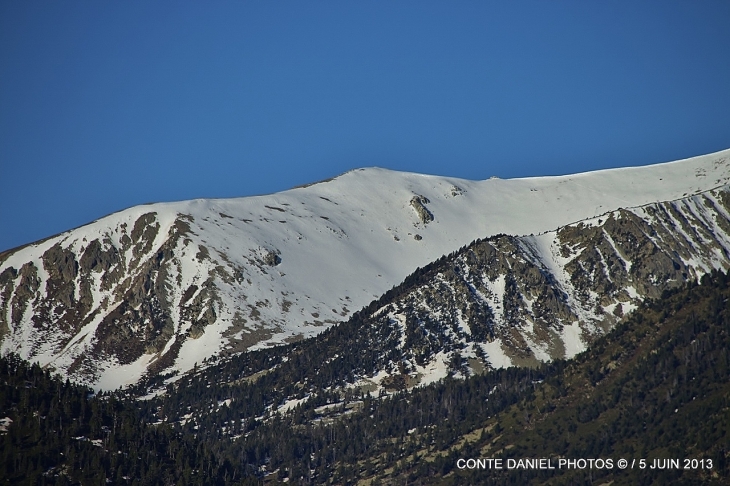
26 290
105 300
197 310
419 204
271 258
7 287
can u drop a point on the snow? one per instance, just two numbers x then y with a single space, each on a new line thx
227 402
572 340
197 350
496 355
497 288
291 404
539 349
435 370
115 375
337 247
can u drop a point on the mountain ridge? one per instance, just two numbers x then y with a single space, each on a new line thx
184 281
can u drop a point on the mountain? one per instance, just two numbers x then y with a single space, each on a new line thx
158 288
655 388
494 303
520 301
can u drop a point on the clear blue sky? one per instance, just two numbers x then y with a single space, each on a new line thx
109 104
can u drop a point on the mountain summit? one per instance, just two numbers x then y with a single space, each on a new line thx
160 287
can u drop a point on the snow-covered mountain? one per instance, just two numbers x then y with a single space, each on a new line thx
522 300
160 287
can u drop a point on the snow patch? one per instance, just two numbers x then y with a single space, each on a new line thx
572 340
496 355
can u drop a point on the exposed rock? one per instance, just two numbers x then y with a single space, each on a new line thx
418 203
7 286
60 291
203 253
26 290
96 259
144 233
199 312
60 263
456 191
271 258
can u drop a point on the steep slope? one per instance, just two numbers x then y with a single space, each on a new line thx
163 286
523 300
656 389
497 302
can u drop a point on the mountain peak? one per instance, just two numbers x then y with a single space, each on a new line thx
172 284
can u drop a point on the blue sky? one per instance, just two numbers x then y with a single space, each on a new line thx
105 105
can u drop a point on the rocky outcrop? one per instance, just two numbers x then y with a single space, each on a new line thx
418 203
271 258
108 299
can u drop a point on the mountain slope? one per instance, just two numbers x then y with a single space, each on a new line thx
494 303
163 286
656 387
523 300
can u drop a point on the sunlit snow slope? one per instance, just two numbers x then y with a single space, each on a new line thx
157 288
